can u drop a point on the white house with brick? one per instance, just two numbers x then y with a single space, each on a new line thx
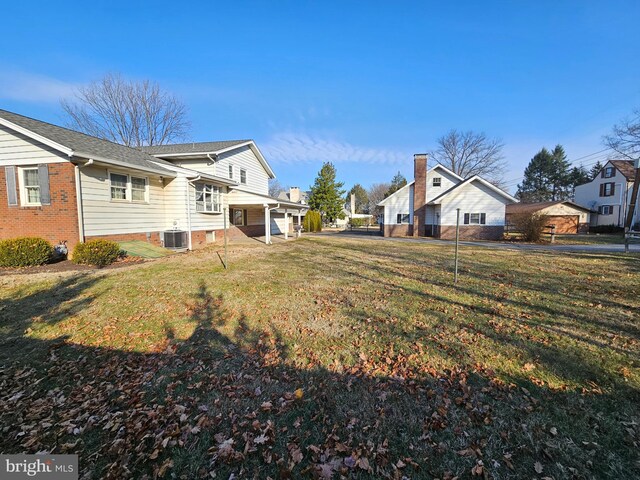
60 184
608 194
427 206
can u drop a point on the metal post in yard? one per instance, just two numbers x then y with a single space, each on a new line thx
455 277
225 213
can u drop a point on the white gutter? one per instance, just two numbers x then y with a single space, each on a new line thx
79 199
188 200
214 161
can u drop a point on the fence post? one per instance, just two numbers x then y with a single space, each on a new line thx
455 276
553 234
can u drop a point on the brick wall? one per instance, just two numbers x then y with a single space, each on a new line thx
472 232
400 230
55 222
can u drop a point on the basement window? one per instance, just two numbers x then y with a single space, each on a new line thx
475 218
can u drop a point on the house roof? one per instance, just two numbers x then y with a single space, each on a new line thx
469 181
284 195
193 148
251 198
625 167
536 207
73 143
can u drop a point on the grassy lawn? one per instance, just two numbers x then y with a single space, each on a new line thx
591 239
327 358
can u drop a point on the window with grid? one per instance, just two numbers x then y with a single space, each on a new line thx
31 186
231 172
437 181
475 218
605 210
243 176
402 218
138 189
118 186
607 189
608 172
208 198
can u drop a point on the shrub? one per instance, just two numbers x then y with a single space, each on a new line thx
531 225
96 252
606 229
25 252
357 222
312 221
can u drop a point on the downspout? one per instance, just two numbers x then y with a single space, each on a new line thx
189 182
79 199
214 160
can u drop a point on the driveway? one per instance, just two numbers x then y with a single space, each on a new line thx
604 248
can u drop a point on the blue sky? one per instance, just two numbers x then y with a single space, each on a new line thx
362 84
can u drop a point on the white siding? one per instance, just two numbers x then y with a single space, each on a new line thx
175 203
18 149
588 196
447 181
206 221
105 217
241 158
401 202
473 198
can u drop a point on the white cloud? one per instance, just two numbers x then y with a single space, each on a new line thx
290 148
29 87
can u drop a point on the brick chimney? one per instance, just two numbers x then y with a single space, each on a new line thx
419 194
294 194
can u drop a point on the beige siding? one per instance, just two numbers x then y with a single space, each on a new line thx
562 209
102 216
18 149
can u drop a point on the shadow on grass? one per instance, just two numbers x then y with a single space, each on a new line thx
231 400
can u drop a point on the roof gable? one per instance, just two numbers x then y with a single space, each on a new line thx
625 167
539 206
397 192
469 181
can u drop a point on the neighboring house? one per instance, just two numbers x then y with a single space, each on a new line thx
428 205
65 185
294 195
608 194
568 217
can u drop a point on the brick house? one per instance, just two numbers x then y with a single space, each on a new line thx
427 206
63 185
568 217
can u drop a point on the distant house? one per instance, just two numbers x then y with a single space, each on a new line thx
428 205
60 184
568 217
608 194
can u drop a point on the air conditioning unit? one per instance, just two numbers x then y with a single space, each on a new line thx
175 239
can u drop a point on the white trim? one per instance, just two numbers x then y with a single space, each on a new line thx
129 188
24 196
25 131
468 181
384 201
442 167
29 161
129 166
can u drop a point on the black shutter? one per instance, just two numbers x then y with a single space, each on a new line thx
43 181
602 172
12 191
244 217
602 189
613 189
231 216
483 218
466 219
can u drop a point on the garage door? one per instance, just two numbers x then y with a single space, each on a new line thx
565 223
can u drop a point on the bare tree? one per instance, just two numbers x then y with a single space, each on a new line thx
470 153
625 141
132 113
376 193
275 187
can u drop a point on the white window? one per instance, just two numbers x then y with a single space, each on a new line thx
138 189
208 198
243 176
126 188
30 186
605 210
231 172
437 181
402 218
608 172
118 186
475 218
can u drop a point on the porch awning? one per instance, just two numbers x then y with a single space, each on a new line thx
240 197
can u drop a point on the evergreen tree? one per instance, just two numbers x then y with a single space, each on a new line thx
361 200
548 177
327 196
397 182
595 170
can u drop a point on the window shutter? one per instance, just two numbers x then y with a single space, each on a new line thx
43 181
613 188
12 192
244 217
602 172
231 216
483 218
602 189
466 219
399 218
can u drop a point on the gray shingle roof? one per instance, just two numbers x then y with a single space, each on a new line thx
85 144
186 148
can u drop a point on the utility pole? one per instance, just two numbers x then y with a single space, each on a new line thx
455 276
